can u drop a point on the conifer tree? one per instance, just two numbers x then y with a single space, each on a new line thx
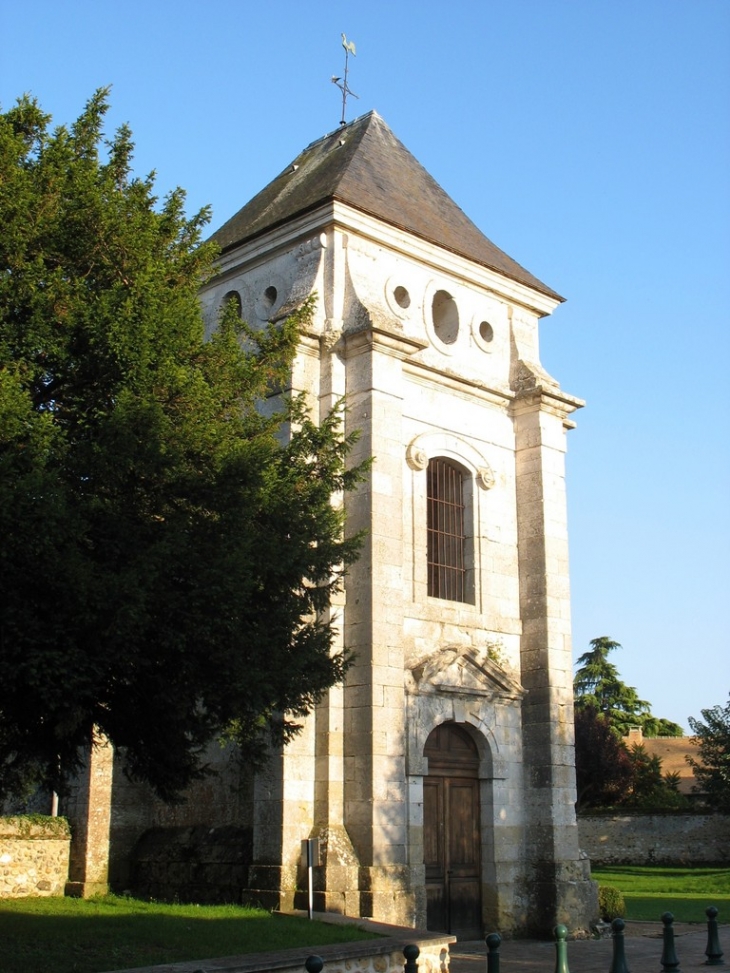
597 685
166 554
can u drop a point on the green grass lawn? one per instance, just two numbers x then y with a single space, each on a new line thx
650 891
60 935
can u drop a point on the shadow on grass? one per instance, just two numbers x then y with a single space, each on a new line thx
74 936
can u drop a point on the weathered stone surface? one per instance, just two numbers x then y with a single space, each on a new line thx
206 865
89 863
34 856
647 839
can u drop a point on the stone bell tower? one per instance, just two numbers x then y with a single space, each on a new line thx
439 778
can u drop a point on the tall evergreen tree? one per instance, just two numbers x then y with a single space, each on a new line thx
166 555
597 685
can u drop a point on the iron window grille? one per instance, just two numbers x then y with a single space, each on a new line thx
446 535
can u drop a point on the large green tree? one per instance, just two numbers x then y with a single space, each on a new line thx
166 554
603 768
597 685
609 774
712 769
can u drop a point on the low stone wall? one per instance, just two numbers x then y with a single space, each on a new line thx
34 854
365 956
661 839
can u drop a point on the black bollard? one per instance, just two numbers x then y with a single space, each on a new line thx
314 964
618 963
713 951
493 941
561 949
411 954
669 953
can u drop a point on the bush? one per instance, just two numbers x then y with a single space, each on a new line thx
610 903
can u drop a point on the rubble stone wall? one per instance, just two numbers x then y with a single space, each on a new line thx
34 856
661 839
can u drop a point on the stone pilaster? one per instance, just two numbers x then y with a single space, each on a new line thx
559 886
283 816
375 799
89 810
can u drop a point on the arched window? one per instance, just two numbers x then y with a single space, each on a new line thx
447 541
233 297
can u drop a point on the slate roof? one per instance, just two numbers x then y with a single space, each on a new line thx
365 166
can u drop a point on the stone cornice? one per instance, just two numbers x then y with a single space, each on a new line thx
550 399
437 378
314 226
310 343
377 339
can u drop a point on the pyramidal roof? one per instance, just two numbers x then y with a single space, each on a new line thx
364 165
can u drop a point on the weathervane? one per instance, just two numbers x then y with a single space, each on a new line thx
342 82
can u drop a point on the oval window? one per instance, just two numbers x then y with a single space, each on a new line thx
445 317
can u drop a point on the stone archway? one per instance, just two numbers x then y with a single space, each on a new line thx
451 833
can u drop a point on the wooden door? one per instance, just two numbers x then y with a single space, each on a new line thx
452 834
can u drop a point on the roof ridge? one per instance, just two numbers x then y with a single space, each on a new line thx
343 128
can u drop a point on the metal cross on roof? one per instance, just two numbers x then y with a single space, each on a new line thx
342 82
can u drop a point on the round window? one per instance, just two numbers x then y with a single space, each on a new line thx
486 331
402 297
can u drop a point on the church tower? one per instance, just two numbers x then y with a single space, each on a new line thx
439 778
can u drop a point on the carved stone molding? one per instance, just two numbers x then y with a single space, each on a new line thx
318 242
453 670
331 336
485 477
416 457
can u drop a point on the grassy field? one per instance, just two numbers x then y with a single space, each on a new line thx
88 936
685 892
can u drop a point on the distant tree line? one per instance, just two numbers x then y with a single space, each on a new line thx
612 774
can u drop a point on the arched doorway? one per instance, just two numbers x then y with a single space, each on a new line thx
451 833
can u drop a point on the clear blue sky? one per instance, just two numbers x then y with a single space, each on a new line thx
590 139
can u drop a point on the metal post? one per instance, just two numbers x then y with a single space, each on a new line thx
411 954
713 951
310 882
494 941
561 949
618 963
669 953
310 856
313 964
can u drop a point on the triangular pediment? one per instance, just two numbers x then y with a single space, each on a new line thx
454 671
364 165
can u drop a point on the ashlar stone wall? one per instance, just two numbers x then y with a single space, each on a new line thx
466 388
34 856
